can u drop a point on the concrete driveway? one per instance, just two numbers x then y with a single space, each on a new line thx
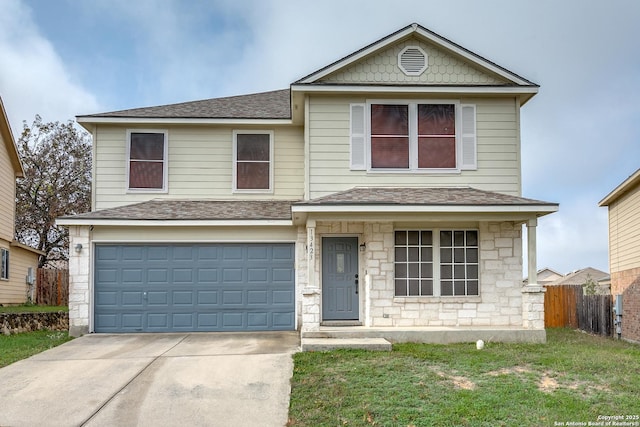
200 379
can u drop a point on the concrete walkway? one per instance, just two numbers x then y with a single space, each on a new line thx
204 379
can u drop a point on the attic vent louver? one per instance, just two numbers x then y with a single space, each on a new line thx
412 60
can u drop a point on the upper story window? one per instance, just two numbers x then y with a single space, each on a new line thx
252 162
147 160
4 264
413 136
420 136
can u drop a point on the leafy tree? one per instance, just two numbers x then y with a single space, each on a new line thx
56 158
590 287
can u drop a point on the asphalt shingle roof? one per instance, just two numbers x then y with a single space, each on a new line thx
460 196
185 210
266 105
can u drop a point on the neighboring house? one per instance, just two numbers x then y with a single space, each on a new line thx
381 192
545 276
624 251
18 262
581 277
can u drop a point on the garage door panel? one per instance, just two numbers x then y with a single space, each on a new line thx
132 321
158 298
283 297
132 299
207 297
212 287
107 275
131 253
207 275
282 320
257 298
182 298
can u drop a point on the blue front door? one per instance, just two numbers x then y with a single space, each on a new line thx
340 278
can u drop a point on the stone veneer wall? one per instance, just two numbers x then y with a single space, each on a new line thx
500 300
500 303
16 323
79 263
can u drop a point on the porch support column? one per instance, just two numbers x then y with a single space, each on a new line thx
311 253
311 293
531 251
533 293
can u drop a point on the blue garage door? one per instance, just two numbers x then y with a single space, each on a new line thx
203 287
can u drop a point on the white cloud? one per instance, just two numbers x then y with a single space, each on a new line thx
33 78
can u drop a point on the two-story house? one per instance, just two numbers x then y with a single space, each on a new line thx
623 204
380 194
18 262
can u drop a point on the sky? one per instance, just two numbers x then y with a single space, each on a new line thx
63 58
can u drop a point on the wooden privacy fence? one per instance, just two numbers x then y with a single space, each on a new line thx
52 287
567 306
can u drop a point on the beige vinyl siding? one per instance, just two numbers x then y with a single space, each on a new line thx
497 145
14 290
624 231
194 234
443 68
200 165
7 193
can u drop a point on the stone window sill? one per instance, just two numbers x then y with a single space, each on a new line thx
430 300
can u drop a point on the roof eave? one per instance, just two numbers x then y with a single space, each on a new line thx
87 121
10 142
122 222
525 92
617 192
539 210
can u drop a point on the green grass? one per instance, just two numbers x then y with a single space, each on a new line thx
574 377
20 346
29 308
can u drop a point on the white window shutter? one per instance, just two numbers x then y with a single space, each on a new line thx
469 157
357 135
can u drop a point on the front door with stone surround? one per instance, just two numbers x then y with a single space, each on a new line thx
339 278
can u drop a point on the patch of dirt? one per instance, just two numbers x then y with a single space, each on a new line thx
507 371
458 381
547 384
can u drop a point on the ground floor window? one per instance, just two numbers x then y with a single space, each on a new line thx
436 263
4 263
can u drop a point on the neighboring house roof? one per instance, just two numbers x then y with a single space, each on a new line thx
191 210
627 185
9 142
545 275
460 196
267 105
17 244
579 277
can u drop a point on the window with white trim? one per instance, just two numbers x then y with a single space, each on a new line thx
436 263
147 160
413 136
4 264
252 161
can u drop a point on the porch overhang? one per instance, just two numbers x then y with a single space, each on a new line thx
420 204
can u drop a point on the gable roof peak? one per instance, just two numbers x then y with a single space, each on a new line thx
417 30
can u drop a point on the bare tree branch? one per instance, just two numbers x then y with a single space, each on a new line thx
56 158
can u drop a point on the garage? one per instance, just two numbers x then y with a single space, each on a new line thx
194 287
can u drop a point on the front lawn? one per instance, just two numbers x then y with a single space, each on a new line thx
20 346
30 308
574 378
